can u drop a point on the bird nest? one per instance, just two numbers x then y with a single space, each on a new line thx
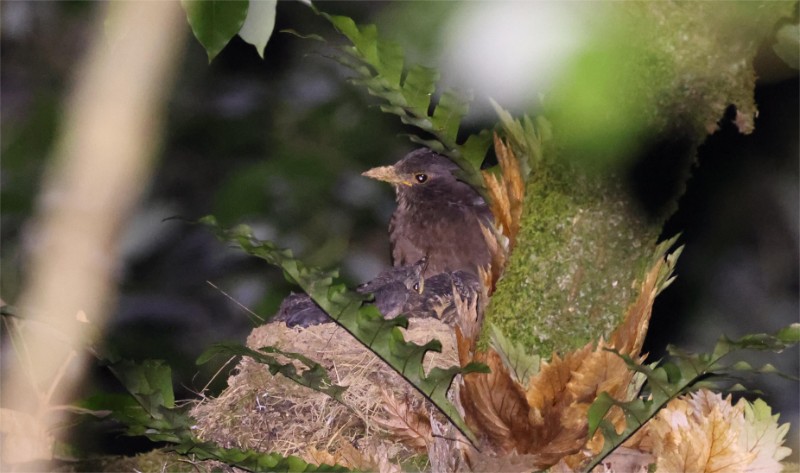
269 413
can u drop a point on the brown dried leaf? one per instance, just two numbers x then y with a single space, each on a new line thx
604 371
629 336
700 433
546 391
486 278
324 457
600 371
370 457
506 192
495 405
558 427
469 311
405 422
499 253
514 184
465 346
498 200
560 396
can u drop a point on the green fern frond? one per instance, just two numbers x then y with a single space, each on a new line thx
408 91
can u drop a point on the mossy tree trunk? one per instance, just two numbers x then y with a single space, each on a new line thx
659 72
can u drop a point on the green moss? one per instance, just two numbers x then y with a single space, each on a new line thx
581 248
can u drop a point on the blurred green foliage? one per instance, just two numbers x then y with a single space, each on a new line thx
654 67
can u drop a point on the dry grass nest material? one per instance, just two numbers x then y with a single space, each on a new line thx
274 414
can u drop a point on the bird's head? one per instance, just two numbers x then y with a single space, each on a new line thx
411 277
419 171
415 276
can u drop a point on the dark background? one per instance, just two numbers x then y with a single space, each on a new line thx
279 144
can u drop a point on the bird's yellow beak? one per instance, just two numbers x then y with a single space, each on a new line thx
386 174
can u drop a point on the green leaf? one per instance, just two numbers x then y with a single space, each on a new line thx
447 115
418 89
392 58
764 433
364 39
314 377
258 25
521 365
122 407
251 460
214 22
790 334
526 139
150 382
474 149
364 322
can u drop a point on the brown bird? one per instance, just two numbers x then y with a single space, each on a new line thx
437 216
397 290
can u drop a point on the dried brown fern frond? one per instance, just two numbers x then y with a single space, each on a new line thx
546 421
494 404
406 421
498 248
506 191
629 336
469 309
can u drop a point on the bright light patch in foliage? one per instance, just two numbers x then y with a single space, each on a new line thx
511 51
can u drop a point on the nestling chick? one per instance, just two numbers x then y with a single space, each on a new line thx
396 291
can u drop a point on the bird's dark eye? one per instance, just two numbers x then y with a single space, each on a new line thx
416 286
421 177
